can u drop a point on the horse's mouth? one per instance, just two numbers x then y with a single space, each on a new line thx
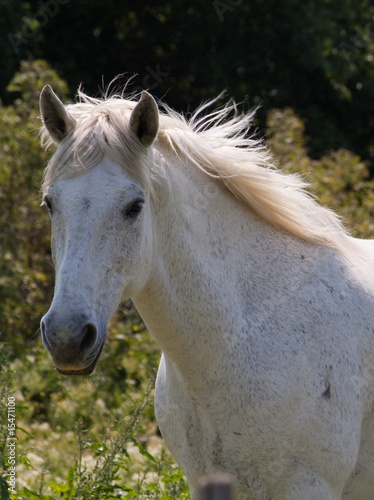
84 371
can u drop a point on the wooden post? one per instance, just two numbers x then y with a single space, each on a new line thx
218 487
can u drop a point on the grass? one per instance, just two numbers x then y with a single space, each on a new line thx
89 438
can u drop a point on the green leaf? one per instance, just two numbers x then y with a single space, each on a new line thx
18 428
36 496
59 487
4 489
143 451
132 494
26 462
173 478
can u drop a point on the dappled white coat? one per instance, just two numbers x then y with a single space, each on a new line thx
261 304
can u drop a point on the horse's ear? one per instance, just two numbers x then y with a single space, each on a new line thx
144 119
56 119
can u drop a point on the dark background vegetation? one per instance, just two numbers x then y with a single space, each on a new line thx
309 65
314 55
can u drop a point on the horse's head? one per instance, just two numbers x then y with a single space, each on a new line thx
101 235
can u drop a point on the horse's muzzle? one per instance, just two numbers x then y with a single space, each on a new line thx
73 342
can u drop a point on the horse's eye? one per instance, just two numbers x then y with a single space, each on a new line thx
47 203
134 208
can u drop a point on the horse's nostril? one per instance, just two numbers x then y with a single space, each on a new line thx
43 330
88 338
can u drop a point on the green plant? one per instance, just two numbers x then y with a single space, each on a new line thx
340 179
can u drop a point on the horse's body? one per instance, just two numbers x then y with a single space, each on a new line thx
267 370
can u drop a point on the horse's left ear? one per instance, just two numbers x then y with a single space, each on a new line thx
56 119
144 119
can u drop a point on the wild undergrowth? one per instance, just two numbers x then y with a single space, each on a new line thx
89 438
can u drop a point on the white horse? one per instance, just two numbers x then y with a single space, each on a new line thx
262 304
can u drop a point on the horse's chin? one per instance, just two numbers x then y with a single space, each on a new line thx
84 371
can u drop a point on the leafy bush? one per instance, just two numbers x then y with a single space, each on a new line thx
92 438
340 179
26 273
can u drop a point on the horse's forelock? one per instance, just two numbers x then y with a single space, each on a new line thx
101 130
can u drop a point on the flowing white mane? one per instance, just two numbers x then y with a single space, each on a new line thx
216 143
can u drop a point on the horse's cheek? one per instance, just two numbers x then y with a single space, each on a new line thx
57 242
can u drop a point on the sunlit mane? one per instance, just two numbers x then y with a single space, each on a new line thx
217 143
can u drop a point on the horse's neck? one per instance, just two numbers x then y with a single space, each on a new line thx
215 266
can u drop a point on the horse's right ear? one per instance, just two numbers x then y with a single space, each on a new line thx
56 119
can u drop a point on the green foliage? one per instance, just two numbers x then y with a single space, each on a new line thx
25 268
340 179
79 442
